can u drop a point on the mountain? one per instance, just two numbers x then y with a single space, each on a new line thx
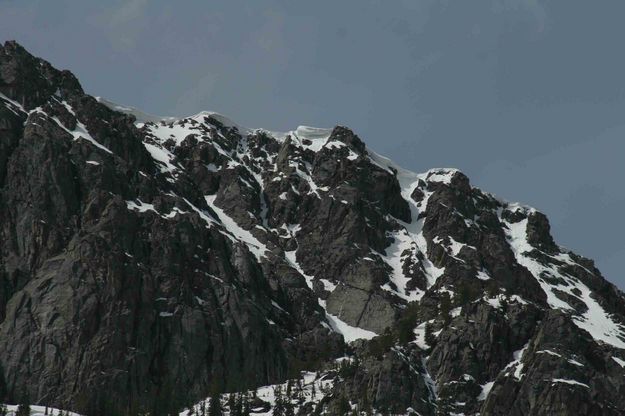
148 263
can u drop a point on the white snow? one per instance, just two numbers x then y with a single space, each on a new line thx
408 241
203 214
80 132
572 382
555 354
275 305
317 136
314 388
175 211
518 243
290 257
443 175
516 363
402 241
596 321
140 206
482 275
518 299
486 388
350 333
144 118
549 352
619 361
575 362
456 246
495 302
328 285
40 411
419 332
256 247
162 155
12 105
410 237
139 115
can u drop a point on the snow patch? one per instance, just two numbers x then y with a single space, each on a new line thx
350 333
619 361
314 136
486 388
80 132
443 175
408 239
482 275
516 363
140 116
571 382
256 247
140 206
596 321
40 411
419 333
161 155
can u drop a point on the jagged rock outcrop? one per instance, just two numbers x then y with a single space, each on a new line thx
147 263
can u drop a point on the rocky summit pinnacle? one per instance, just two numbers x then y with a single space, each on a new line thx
156 265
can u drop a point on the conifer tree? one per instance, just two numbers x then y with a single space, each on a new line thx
214 408
343 406
429 337
278 408
299 391
365 405
445 307
246 405
238 406
504 304
288 400
289 409
24 408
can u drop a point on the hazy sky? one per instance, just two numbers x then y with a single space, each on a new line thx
526 97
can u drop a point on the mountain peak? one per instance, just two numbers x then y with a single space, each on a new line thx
150 262
31 81
345 135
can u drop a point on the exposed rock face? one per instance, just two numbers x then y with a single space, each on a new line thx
146 263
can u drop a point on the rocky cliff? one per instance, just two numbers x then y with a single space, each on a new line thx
147 263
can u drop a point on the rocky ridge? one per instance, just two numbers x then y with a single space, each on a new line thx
147 263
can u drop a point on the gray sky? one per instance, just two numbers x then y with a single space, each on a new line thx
526 97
